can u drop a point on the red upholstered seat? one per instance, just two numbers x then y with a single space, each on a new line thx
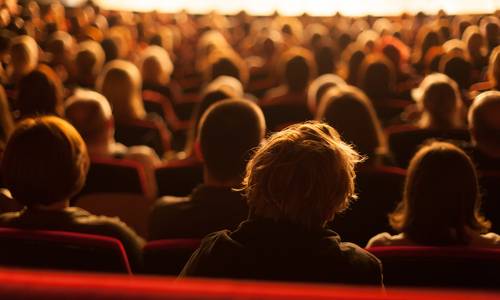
168 257
47 249
440 266
27 285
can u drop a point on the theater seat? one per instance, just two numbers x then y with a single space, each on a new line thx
179 178
404 140
109 175
461 267
157 103
28 285
168 257
151 133
132 209
44 249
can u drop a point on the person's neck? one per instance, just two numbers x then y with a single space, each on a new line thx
209 180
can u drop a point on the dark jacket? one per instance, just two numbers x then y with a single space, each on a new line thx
206 210
268 250
75 219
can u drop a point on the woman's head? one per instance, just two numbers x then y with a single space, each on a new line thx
303 175
350 112
440 101
45 161
441 197
156 66
120 82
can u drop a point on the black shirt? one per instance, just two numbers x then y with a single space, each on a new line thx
206 210
269 250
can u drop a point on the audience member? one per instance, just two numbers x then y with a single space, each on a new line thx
44 180
290 194
229 130
441 202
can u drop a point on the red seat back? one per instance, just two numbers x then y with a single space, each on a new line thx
48 249
464 267
168 257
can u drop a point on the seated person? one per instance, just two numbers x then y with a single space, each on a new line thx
441 202
91 115
228 131
295 183
44 180
484 127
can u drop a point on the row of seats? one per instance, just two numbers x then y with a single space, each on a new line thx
403 266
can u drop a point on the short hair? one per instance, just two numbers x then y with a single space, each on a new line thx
457 68
40 93
24 54
483 119
89 60
229 131
45 161
296 68
337 108
319 87
156 65
90 113
377 77
303 174
439 97
441 197
121 83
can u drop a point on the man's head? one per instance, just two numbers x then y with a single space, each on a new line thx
303 174
484 123
229 131
45 161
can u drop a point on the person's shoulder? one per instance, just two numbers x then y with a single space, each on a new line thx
490 239
171 202
85 218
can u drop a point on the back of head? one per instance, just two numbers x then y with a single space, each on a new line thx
156 65
439 98
24 55
120 82
457 68
377 77
227 63
350 112
89 112
302 175
297 68
319 87
89 61
441 197
484 122
45 161
228 132
40 93
6 119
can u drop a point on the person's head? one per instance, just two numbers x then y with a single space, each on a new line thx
60 45
40 93
351 113
156 66
440 102
441 197
23 56
490 28
120 82
484 123
377 77
353 57
318 88
303 174
226 63
90 113
457 67
296 68
45 161
494 68
110 48
228 131
475 42
89 61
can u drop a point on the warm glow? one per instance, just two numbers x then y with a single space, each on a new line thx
313 7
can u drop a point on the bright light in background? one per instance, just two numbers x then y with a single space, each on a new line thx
297 7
